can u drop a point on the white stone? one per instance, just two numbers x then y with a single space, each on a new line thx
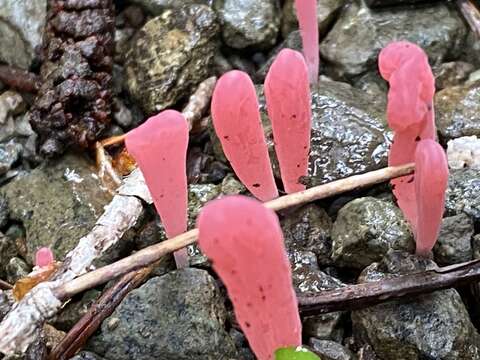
464 152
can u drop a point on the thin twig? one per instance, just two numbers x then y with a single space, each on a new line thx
153 253
5 285
19 79
471 15
367 294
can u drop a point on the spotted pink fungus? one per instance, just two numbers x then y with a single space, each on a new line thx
244 241
44 257
410 112
431 180
160 148
307 19
287 93
236 119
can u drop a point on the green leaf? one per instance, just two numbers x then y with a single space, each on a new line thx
292 353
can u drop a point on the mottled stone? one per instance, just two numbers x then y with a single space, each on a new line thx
170 55
380 3
308 229
330 350
17 269
249 23
73 311
4 211
463 193
454 244
57 203
21 30
6 303
7 251
86 355
353 45
366 229
430 326
10 153
452 74
178 316
309 280
457 110
156 7
327 10
464 152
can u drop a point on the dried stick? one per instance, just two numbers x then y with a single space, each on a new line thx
471 14
19 79
42 302
368 294
5 285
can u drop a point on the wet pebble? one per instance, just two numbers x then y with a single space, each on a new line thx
17 269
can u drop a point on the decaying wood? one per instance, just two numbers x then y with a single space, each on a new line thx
19 79
19 327
471 14
367 294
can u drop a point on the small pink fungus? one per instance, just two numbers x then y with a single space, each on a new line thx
244 241
431 181
307 19
160 148
287 94
236 119
44 257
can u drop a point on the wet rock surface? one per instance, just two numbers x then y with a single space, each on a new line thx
454 244
170 55
177 316
452 74
463 193
57 203
248 23
441 330
330 350
458 108
366 229
21 30
352 46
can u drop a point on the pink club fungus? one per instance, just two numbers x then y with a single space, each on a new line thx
44 257
245 243
236 119
409 111
307 19
160 148
431 180
287 94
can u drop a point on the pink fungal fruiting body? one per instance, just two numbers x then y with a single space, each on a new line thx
307 18
160 148
287 94
431 181
245 243
409 111
236 119
44 257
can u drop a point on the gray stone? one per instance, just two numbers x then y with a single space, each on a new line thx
366 229
73 311
454 244
249 23
430 326
327 10
309 280
21 30
452 74
86 355
170 55
353 45
178 316
4 211
463 193
10 153
17 269
122 115
7 251
156 7
373 84
308 229
476 246
330 350
57 203
457 110
380 3
6 303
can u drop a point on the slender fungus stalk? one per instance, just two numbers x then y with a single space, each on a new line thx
307 19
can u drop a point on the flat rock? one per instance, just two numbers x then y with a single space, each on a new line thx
21 30
352 46
58 203
454 244
178 316
366 229
430 326
170 55
457 110
249 23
